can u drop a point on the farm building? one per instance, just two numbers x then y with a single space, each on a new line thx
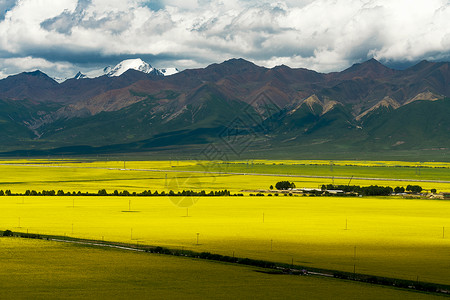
440 196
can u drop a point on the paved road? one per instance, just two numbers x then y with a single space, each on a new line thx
97 244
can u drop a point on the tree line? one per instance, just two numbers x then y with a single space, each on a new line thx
373 190
103 192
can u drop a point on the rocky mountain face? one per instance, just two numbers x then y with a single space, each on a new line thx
367 107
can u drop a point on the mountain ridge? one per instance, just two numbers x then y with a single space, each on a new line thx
277 107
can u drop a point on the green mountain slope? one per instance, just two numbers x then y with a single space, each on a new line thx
418 125
16 118
151 122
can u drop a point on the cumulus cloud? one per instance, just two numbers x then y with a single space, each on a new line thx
325 35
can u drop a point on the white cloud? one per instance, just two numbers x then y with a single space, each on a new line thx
326 35
26 64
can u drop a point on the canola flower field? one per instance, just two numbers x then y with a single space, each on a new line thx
37 269
384 236
90 176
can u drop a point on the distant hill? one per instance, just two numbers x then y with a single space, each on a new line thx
235 107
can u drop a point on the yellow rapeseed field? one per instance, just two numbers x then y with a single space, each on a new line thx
387 236
382 236
136 176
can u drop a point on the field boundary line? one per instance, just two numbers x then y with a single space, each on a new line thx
238 173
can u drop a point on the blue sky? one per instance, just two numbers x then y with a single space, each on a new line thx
65 36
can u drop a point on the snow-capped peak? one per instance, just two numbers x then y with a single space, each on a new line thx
136 64
125 65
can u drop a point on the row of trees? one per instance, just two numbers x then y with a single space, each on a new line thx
373 190
416 189
103 192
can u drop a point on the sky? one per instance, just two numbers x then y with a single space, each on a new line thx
63 37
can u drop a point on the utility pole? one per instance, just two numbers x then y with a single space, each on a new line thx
350 181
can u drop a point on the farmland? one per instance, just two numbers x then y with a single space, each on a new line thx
47 270
70 175
384 236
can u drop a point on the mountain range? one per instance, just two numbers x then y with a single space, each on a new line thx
231 109
125 65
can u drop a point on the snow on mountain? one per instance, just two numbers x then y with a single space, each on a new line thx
136 64
98 72
169 71
125 65
59 79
